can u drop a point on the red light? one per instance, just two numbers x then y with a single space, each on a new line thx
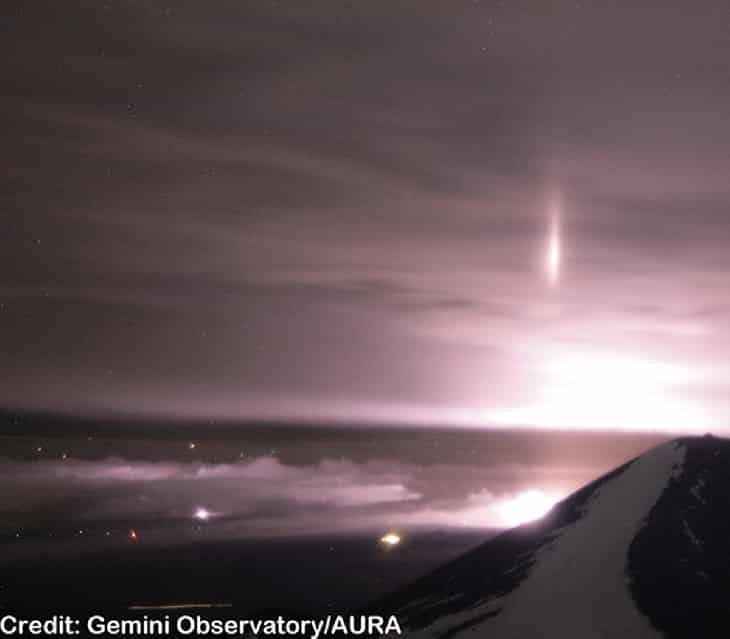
133 534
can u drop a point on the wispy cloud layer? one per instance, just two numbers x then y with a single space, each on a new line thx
261 496
238 208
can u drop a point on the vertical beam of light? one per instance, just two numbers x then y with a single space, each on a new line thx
553 257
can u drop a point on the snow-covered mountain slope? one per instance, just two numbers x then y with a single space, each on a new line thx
642 552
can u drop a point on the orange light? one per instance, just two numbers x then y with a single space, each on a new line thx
391 539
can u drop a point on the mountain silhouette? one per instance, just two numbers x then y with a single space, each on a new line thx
643 551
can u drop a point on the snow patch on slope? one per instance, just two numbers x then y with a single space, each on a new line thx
697 489
578 587
692 537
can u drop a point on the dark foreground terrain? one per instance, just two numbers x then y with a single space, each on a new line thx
315 575
641 552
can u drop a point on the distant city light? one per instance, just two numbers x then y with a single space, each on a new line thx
202 514
391 539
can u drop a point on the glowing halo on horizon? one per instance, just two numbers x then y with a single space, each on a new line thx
525 507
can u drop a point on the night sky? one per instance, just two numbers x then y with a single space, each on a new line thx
342 209
456 214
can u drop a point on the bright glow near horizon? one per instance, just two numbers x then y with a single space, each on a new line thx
525 507
600 390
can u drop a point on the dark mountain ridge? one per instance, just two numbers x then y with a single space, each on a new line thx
643 551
